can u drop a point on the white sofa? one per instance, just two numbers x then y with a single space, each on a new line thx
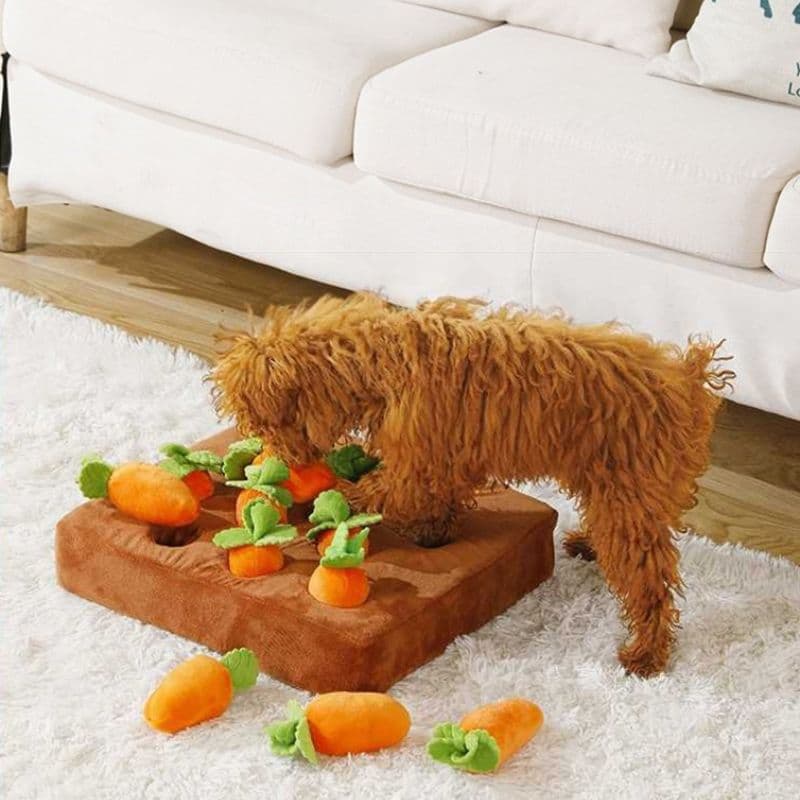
375 144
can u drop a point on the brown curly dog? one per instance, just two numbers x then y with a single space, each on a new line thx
452 396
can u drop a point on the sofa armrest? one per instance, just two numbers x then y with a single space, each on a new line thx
782 253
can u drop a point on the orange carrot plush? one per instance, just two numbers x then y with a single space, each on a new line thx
263 481
199 689
142 491
303 482
338 580
193 467
339 723
487 736
307 481
330 511
253 549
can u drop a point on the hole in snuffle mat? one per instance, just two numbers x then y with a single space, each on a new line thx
175 537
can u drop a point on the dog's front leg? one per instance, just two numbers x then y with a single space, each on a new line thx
413 511
640 563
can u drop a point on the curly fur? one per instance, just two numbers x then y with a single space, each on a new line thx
452 396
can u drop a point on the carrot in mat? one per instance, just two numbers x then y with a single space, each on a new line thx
142 491
239 455
263 481
487 736
193 467
339 723
199 689
331 510
338 581
307 481
253 549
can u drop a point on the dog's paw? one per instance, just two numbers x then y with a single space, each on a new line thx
577 544
641 662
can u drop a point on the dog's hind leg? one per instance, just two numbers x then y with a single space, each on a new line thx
578 543
640 562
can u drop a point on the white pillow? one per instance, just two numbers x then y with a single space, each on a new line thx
638 26
747 46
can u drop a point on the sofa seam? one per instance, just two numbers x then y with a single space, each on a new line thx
614 230
532 261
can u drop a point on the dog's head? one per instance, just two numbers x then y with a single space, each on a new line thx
269 388
298 383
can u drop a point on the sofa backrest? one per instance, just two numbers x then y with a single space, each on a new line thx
687 11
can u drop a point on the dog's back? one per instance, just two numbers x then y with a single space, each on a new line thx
533 395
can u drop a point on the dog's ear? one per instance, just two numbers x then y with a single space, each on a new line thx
253 386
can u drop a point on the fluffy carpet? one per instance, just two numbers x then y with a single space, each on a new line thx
723 723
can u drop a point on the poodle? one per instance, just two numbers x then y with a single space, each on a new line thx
453 396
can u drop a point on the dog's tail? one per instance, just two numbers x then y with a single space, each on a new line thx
707 367
695 411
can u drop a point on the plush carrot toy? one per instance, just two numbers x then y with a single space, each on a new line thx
487 736
339 723
263 481
142 491
307 481
338 581
331 510
253 549
303 482
239 455
193 467
199 689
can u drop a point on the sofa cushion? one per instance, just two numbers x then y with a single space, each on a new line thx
282 72
558 128
632 25
782 255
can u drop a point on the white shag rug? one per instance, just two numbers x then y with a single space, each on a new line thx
723 723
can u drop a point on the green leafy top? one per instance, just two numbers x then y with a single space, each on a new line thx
292 735
181 461
261 527
264 478
239 455
474 751
243 667
345 551
331 510
351 462
93 477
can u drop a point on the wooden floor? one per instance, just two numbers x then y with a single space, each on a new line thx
155 282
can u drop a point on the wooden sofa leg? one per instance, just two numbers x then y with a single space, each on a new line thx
13 221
